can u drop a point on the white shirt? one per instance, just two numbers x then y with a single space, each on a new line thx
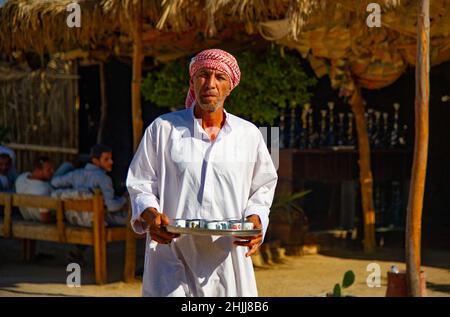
26 185
180 172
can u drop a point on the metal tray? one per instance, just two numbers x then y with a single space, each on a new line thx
209 232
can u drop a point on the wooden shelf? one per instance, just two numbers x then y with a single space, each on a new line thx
342 164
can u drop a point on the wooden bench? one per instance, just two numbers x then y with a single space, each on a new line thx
98 236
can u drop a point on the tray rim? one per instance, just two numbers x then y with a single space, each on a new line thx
210 232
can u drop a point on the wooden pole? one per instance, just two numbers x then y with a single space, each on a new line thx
104 104
99 232
130 250
137 75
365 172
419 167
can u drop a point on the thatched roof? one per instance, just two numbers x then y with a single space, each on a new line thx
106 24
40 25
339 43
332 34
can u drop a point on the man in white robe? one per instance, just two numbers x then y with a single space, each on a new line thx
201 163
37 183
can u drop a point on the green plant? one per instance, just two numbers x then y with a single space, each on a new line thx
270 82
347 281
286 206
168 86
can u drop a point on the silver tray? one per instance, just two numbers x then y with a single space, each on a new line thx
209 232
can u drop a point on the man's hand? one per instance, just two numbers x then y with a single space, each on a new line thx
156 222
252 242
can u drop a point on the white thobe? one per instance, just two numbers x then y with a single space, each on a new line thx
179 171
26 185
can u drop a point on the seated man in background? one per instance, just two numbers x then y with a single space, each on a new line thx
6 183
81 182
12 173
36 183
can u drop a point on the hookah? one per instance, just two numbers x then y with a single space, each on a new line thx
303 142
402 136
323 136
394 134
369 120
312 135
282 126
385 137
341 140
376 139
350 133
330 135
292 134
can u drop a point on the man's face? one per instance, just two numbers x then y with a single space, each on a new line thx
211 88
45 173
105 161
5 165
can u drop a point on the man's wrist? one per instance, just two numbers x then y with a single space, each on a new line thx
150 211
252 215
256 219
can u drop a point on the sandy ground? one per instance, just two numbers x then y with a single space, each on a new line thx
309 275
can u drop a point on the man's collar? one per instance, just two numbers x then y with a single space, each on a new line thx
90 166
228 119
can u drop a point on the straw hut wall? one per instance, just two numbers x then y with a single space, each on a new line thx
39 108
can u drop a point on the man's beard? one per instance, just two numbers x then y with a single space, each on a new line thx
210 107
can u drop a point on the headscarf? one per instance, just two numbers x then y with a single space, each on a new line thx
213 59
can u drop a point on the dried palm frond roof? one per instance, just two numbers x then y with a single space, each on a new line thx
332 34
40 25
339 43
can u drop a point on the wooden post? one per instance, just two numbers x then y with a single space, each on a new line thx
28 249
137 75
99 239
419 167
60 222
7 222
130 250
104 104
365 172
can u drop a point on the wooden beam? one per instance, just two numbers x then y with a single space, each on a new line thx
99 240
28 249
48 232
137 75
35 201
80 205
420 156
104 104
7 200
60 222
365 172
130 250
41 148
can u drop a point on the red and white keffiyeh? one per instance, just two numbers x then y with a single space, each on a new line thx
213 59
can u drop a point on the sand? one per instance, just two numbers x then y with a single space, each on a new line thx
309 275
